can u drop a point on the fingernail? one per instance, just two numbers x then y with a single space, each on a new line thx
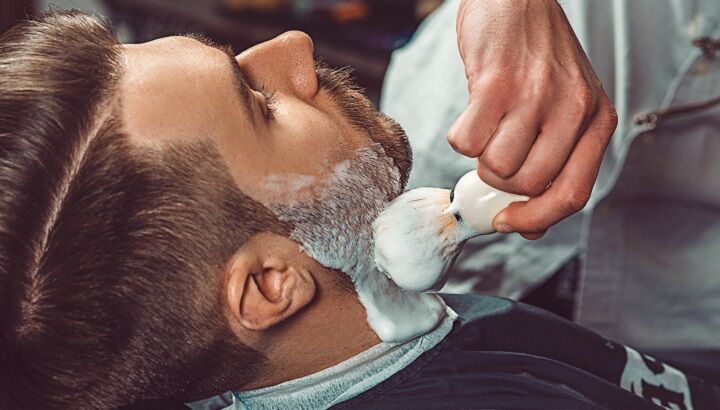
504 228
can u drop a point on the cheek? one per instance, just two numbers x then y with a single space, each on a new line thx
295 158
306 139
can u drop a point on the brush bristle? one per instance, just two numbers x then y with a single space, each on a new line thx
417 237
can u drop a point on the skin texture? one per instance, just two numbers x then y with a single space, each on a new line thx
538 120
279 300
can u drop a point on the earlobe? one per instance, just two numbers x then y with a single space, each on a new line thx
262 291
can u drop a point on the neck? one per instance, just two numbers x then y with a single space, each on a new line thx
332 329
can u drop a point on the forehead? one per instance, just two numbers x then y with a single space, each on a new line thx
174 87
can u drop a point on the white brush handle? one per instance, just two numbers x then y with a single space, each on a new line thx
477 203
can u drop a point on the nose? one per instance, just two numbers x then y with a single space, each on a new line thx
284 63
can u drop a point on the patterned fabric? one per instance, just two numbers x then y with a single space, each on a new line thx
508 355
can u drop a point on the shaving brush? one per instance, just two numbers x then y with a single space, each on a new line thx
421 232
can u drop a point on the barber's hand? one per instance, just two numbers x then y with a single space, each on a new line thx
538 120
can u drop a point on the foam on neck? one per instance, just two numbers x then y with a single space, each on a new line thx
336 230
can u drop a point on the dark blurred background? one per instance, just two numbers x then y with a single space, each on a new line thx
356 33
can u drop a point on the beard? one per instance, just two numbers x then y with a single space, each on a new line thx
336 228
364 117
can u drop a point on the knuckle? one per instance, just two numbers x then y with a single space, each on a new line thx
464 144
499 167
487 176
453 140
546 75
492 79
575 200
610 116
497 76
541 84
531 186
585 102
498 82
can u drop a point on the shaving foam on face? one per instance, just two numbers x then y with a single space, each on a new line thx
416 237
336 230
419 235
288 185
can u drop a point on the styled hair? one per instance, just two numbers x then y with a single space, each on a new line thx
111 255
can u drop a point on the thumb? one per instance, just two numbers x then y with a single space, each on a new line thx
474 127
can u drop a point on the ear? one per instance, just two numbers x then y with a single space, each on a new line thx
267 282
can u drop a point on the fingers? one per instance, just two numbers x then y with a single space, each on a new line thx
476 125
571 189
547 157
506 151
533 235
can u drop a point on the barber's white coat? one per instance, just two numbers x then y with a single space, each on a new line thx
650 237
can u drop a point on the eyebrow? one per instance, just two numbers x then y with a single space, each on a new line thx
242 88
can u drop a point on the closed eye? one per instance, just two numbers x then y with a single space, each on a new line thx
241 85
270 101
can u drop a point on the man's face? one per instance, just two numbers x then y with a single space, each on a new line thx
319 156
281 151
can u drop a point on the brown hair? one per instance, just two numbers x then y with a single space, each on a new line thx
110 255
